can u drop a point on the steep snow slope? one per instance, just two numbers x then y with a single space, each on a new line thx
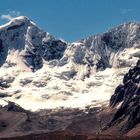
39 71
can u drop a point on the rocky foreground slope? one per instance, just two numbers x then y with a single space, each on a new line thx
127 97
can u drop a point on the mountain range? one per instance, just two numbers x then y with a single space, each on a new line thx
90 86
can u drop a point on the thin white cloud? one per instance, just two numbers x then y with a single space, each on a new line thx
125 11
6 17
11 14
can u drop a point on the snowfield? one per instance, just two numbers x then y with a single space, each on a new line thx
46 88
38 71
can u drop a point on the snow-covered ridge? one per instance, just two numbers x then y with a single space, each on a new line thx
16 21
39 71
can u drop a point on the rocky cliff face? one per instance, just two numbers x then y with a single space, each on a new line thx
109 49
127 98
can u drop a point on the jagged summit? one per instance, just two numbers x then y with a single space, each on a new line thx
48 72
17 22
24 19
32 44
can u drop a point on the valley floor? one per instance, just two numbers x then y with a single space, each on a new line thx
68 124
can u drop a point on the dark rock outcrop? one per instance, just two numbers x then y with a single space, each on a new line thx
11 106
128 95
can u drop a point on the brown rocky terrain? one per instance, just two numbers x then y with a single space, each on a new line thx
69 124
65 136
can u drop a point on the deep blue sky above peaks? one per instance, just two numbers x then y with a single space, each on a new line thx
72 19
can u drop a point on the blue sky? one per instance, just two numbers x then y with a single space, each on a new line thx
73 19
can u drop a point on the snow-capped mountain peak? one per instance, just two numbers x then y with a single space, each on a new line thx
28 41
